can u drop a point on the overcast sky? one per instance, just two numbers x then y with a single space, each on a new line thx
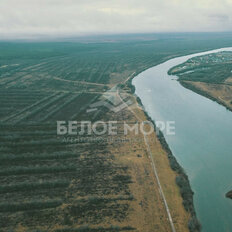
25 18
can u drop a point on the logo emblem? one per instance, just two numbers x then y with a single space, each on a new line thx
114 99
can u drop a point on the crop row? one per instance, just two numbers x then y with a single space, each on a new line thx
112 228
26 111
18 170
12 207
28 186
9 159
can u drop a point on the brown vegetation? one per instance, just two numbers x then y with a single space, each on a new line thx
221 93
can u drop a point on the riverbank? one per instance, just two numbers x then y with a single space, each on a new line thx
208 75
198 121
191 86
181 179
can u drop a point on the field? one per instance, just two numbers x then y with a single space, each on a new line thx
208 75
63 183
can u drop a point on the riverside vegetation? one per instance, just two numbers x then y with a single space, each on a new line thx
209 75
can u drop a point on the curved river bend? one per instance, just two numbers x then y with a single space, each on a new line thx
203 140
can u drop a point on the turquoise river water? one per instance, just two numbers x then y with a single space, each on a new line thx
202 142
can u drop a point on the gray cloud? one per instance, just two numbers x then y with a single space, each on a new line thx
220 17
25 18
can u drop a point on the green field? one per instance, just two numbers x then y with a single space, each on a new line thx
46 183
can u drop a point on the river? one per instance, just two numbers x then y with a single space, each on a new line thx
202 142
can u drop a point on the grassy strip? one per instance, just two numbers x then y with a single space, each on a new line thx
96 229
30 107
27 186
36 205
96 199
38 109
36 170
84 106
48 141
182 179
191 87
71 99
4 159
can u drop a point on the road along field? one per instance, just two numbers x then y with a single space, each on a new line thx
51 183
